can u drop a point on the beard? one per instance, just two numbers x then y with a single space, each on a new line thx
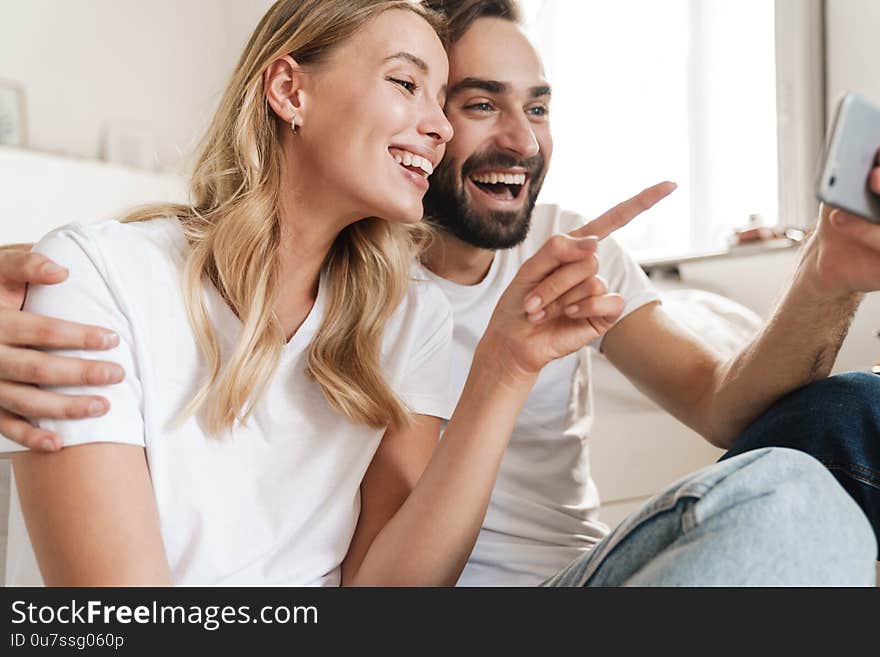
447 204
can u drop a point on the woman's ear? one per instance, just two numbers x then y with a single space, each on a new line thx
283 84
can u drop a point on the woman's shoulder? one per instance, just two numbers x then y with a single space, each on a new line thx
114 245
424 299
424 311
112 233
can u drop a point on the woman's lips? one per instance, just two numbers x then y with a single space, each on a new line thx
416 179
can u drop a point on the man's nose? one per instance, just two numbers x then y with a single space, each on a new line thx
518 137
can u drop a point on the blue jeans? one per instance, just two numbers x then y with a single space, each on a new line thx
769 517
835 420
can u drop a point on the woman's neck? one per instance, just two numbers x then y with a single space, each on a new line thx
309 227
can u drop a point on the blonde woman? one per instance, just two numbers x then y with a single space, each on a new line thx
285 373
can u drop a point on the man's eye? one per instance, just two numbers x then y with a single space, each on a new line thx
539 111
406 84
480 107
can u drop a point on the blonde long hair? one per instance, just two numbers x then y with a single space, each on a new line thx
233 226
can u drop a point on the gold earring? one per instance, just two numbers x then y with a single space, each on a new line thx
293 117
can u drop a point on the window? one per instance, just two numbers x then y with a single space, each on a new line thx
684 90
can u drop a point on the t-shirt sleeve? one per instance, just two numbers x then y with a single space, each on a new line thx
625 277
425 386
87 297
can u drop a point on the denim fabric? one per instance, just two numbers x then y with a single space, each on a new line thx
769 517
835 420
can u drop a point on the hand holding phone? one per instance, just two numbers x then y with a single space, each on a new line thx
851 158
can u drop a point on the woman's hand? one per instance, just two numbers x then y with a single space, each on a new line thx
557 304
24 364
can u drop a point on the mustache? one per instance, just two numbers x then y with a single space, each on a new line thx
532 165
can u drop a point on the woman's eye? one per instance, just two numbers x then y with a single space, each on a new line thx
406 84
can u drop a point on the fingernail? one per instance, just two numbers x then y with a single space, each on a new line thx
586 242
113 373
571 310
96 408
840 218
533 304
109 340
537 317
48 445
51 269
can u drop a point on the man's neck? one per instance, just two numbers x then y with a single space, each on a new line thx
457 261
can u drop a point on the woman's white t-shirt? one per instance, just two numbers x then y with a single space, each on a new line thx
276 501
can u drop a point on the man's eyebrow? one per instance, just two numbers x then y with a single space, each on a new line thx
537 92
409 57
489 86
495 87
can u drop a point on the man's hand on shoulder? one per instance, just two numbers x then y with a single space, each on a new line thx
24 364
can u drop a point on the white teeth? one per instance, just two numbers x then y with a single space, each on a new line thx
408 159
505 178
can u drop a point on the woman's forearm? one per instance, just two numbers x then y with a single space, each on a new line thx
429 539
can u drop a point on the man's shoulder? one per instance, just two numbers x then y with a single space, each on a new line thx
548 220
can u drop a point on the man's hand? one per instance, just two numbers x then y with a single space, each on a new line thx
23 364
845 254
557 304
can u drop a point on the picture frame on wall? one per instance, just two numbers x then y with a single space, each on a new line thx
12 114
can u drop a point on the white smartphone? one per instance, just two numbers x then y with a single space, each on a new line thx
849 158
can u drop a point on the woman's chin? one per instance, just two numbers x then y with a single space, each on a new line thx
404 215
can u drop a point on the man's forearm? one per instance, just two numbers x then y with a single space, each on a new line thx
797 346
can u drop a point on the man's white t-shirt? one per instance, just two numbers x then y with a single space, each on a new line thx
544 508
276 501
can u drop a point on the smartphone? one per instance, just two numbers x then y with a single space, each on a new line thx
849 158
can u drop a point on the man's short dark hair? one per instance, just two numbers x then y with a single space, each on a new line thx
461 14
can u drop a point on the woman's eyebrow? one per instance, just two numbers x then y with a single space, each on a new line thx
409 57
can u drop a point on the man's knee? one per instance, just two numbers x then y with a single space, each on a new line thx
828 417
807 507
851 392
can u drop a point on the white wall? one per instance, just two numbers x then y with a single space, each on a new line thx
853 49
853 64
86 64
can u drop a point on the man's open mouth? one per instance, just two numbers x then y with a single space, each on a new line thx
500 185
